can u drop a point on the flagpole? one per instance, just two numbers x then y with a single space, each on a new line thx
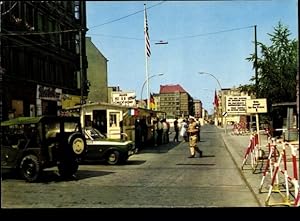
146 55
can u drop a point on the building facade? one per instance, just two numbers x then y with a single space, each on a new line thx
96 73
43 56
175 101
198 108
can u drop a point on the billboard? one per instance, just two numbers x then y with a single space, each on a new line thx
236 104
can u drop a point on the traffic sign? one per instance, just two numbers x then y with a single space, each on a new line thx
224 114
257 105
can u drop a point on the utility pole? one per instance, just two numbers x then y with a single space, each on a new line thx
80 68
255 62
1 69
1 37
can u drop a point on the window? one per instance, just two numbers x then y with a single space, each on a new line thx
113 120
17 106
40 22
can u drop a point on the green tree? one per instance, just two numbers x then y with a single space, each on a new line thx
276 67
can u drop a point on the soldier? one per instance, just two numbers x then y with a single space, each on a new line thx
193 131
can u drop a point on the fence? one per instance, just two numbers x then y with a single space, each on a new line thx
280 171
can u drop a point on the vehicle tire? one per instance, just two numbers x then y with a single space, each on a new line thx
113 157
77 143
30 168
67 168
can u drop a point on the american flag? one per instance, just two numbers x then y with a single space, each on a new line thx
147 39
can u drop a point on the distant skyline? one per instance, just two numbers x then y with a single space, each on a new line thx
203 36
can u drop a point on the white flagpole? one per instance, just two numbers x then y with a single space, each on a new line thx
146 56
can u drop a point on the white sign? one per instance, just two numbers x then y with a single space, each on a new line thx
236 104
257 105
123 98
48 93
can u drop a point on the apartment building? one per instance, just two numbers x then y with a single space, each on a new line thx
43 56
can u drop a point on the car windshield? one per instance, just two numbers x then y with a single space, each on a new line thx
94 133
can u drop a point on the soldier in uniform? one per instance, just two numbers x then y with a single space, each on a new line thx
193 131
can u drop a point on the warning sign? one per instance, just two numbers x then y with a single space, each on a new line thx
236 104
257 105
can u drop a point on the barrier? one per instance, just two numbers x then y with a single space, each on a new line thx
272 158
274 186
254 151
297 199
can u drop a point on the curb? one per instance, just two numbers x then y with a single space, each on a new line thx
241 172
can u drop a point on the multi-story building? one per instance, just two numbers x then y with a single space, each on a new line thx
43 55
198 108
175 101
111 89
96 73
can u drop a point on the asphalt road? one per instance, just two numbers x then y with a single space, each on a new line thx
157 177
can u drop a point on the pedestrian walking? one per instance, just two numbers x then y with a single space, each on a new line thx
193 131
176 129
165 135
183 130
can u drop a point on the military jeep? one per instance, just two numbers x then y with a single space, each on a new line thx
31 144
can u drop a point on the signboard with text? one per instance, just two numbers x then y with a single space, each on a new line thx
236 104
257 105
123 98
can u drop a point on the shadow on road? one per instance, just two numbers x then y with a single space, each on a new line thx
49 176
196 164
164 148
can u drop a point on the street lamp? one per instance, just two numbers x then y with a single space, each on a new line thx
220 91
159 74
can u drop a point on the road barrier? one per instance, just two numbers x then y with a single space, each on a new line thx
272 158
275 185
254 151
277 168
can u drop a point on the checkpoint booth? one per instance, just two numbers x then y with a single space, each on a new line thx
105 117
115 121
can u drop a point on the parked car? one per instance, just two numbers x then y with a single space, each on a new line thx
112 151
31 144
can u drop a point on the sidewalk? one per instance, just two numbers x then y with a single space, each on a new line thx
237 145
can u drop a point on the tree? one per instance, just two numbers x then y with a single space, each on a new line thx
276 67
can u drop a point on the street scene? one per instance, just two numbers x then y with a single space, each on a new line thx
163 176
155 104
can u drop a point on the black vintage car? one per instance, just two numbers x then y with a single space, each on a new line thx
31 144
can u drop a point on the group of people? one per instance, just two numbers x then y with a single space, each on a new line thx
189 131
161 130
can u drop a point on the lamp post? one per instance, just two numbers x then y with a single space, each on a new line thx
220 91
159 74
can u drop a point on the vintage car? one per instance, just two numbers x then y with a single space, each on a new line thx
31 144
112 151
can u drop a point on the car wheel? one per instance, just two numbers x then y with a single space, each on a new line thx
78 144
67 168
113 157
30 168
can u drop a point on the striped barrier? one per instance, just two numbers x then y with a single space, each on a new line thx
272 158
274 186
253 151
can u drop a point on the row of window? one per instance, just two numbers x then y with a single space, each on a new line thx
37 67
27 17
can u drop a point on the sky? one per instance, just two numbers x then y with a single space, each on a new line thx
214 37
